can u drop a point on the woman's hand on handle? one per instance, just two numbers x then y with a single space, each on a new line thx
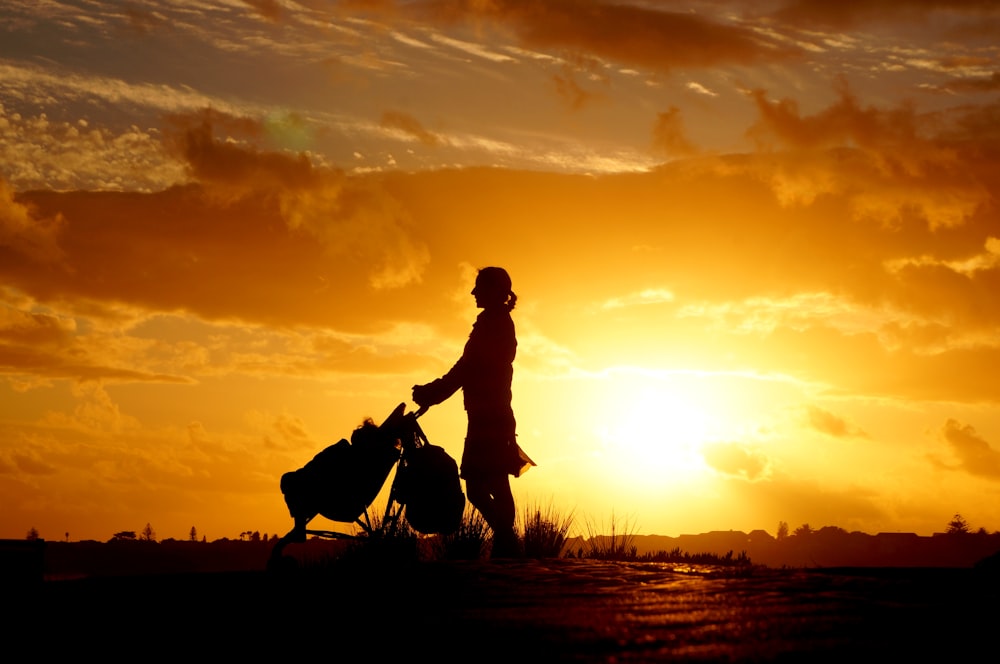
422 397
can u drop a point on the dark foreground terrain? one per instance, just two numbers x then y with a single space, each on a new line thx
519 610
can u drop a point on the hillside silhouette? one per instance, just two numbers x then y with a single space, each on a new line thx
827 547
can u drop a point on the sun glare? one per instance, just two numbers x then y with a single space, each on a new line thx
655 436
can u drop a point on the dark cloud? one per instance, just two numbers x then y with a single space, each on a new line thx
990 84
845 122
141 20
264 237
668 134
962 61
216 161
851 13
897 169
637 35
974 453
268 9
25 232
194 252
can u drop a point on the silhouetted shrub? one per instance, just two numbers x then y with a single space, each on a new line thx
389 540
468 541
544 532
618 545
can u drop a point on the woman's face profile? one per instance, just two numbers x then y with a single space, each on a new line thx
487 293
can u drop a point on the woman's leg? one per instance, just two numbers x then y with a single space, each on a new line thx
493 498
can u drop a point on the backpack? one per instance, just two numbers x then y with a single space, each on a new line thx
430 489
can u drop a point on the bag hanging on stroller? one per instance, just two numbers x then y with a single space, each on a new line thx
427 483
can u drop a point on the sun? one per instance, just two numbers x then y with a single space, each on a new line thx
654 435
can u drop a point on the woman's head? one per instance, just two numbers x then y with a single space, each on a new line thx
493 289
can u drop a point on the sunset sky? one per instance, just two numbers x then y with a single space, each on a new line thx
756 248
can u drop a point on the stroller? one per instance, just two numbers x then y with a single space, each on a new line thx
342 481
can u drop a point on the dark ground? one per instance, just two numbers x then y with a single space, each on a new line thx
519 610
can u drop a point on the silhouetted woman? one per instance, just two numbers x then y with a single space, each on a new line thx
484 374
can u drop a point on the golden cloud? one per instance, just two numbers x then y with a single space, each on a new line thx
25 234
975 455
270 239
831 424
736 459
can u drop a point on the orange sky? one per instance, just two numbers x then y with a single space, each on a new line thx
757 253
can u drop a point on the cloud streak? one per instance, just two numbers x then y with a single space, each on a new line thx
635 35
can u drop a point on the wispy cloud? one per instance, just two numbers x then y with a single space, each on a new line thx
410 126
471 48
644 297
694 86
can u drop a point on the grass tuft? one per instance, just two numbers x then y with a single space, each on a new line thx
675 555
469 541
618 545
544 531
389 540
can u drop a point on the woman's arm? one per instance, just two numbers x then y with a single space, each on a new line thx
439 390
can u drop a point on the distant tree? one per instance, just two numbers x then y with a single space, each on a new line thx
193 535
255 536
148 534
958 526
804 530
782 529
123 535
32 534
